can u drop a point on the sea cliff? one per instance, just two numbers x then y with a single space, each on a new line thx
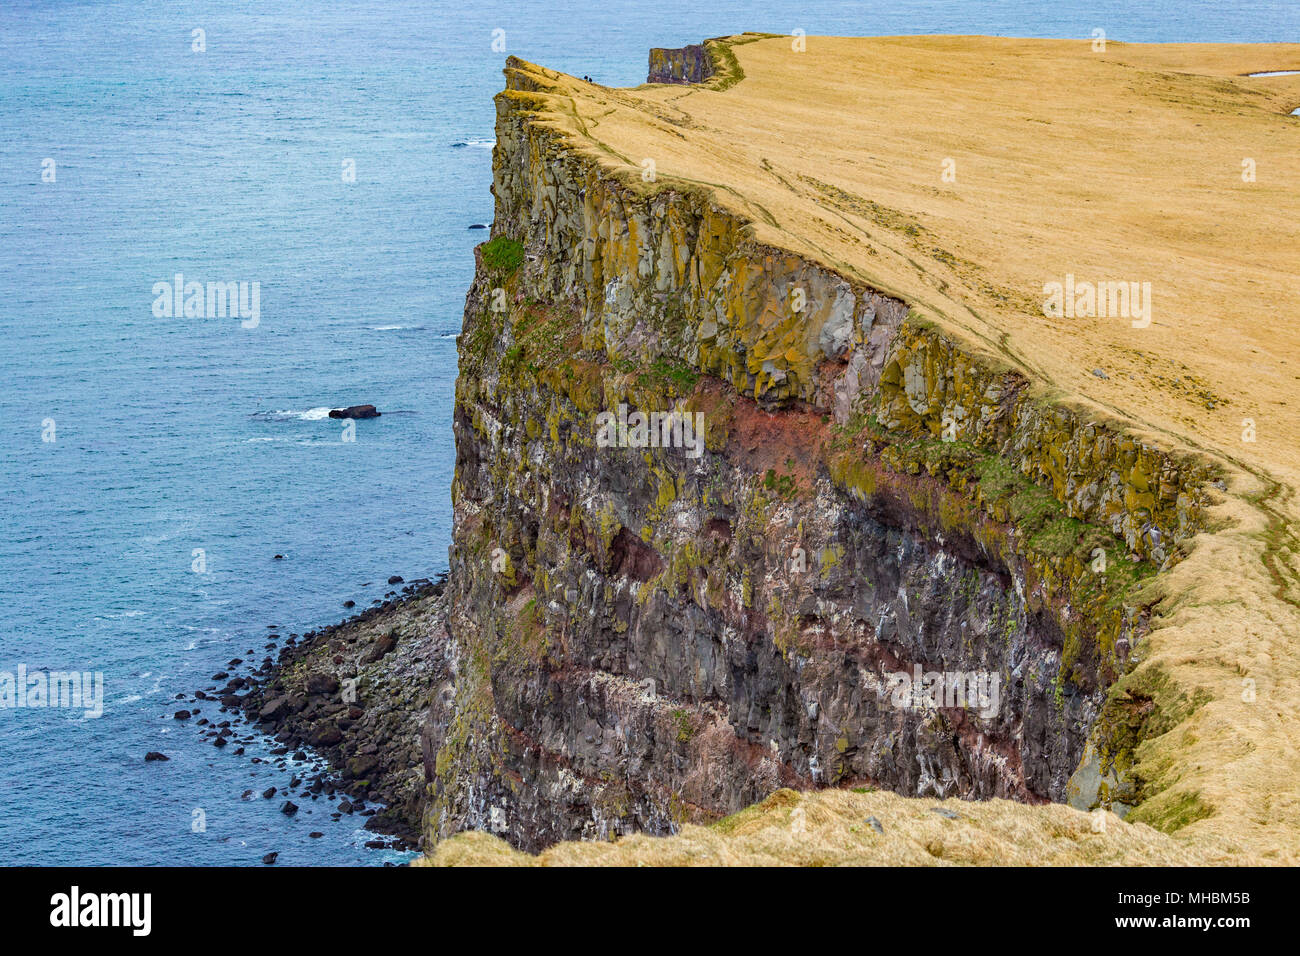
881 468
644 637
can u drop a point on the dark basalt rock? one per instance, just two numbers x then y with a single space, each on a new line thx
326 735
355 411
382 646
322 684
274 709
361 767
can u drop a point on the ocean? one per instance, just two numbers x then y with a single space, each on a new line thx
331 157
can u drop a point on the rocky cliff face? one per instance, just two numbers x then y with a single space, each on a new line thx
649 632
688 64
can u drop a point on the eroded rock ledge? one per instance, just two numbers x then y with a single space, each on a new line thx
640 638
688 64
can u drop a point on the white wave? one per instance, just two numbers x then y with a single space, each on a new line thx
386 328
315 414
310 415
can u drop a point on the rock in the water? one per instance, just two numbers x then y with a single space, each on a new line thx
289 808
270 858
355 411
155 755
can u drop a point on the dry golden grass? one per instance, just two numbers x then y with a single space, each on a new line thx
833 828
1118 165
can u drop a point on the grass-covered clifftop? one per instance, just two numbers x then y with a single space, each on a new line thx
861 828
914 196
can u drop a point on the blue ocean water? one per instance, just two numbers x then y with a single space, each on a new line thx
179 439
